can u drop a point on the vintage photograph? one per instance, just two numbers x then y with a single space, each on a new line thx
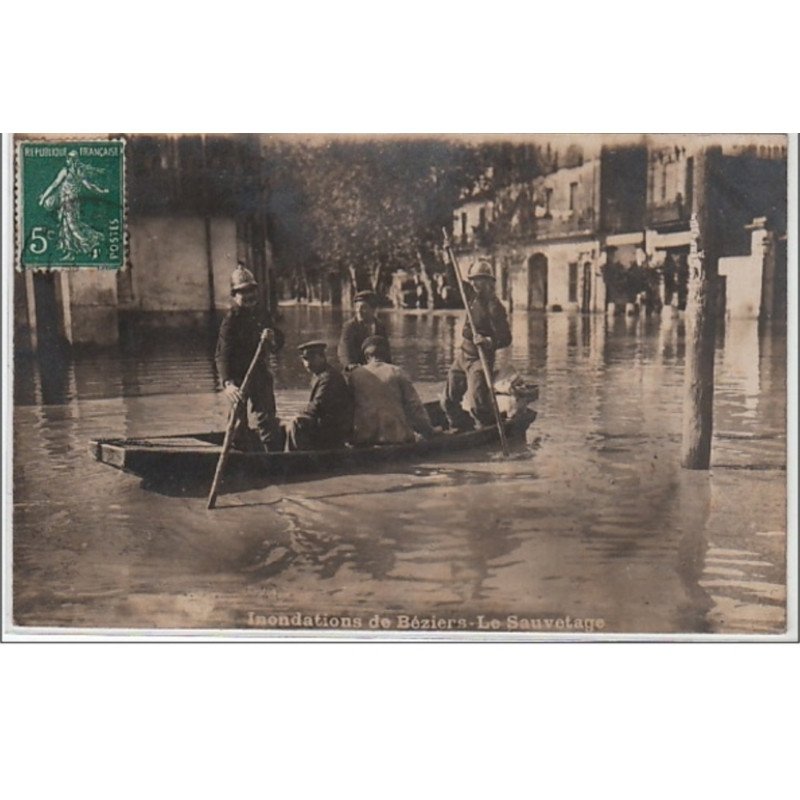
512 386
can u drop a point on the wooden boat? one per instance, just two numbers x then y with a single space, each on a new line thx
195 454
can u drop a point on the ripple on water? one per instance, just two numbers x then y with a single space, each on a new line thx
598 516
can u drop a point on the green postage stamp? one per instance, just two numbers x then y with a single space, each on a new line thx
71 204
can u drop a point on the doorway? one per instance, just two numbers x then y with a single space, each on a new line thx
586 288
537 282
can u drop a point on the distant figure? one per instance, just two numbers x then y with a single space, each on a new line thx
445 296
357 330
388 409
421 292
238 339
466 374
75 237
327 421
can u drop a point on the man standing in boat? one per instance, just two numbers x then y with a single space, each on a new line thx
238 340
356 331
492 333
327 421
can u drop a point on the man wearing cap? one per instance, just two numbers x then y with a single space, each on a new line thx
357 330
388 409
327 421
492 333
238 340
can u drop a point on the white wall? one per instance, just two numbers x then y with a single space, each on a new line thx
223 254
89 304
170 265
472 209
559 256
518 284
743 279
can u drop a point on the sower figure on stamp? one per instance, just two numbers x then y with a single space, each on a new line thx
63 194
466 377
357 330
327 421
238 339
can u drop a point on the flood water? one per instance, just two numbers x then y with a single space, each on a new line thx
595 520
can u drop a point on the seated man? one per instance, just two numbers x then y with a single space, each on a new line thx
357 330
327 420
387 407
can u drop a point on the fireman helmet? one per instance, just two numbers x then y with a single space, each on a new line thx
480 269
242 278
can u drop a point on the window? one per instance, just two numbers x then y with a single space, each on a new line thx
482 220
463 225
573 282
573 194
548 196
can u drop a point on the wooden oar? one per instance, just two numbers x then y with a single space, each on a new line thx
234 420
484 363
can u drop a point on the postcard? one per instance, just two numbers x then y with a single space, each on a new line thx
499 387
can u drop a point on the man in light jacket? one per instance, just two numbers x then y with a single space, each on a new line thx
388 409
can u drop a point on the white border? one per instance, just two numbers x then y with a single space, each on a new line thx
387 720
18 634
7 294
792 311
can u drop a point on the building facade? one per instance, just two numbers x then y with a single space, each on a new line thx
612 234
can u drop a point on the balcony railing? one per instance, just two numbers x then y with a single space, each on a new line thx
564 225
666 212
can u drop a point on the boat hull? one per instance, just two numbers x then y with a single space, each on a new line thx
190 456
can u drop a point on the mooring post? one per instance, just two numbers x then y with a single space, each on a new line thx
701 322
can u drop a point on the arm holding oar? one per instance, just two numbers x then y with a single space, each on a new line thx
479 342
236 416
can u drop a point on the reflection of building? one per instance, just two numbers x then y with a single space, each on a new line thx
195 206
615 229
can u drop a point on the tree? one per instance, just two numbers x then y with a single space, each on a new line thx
361 209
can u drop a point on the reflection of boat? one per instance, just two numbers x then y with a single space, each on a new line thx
195 455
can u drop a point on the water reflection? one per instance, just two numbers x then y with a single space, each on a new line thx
600 522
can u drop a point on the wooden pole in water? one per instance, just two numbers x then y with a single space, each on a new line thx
701 318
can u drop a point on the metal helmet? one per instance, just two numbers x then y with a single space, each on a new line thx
480 269
242 278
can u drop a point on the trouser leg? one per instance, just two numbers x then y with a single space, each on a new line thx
479 399
301 434
454 391
262 403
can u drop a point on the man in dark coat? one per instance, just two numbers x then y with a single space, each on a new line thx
466 377
327 421
238 339
357 330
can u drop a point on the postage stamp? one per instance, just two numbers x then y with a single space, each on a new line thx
71 204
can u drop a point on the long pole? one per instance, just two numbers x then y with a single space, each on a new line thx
233 422
484 363
701 312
